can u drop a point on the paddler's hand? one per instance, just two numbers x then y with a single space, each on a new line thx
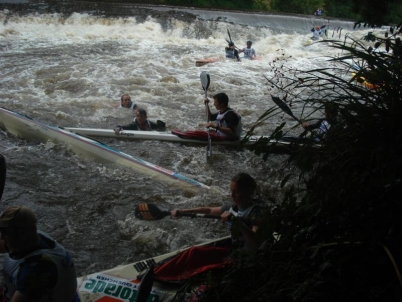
117 130
226 216
206 101
173 214
211 125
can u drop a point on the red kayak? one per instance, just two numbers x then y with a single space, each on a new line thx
201 135
199 63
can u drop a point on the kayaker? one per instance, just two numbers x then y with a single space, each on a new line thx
141 123
322 125
242 189
249 52
126 102
226 121
36 267
199 259
232 52
318 31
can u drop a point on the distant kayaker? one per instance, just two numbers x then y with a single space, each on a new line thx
249 52
322 126
318 31
126 102
36 267
232 52
141 123
226 121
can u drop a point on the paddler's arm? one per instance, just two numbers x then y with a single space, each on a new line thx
225 130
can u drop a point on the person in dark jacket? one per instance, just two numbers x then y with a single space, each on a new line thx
322 126
141 123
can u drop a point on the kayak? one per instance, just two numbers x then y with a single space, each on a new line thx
176 136
122 283
25 127
199 63
362 81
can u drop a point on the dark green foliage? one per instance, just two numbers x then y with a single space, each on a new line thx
339 222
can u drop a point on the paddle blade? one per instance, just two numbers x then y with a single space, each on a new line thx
230 38
147 211
205 80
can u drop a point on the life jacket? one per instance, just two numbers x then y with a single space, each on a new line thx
322 130
238 241
66 286
248 52
230 53
220 119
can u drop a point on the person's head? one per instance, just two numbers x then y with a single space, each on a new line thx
18 228
249 43
331 112
317 28
242 188
231 44
221 101
126 101
140 115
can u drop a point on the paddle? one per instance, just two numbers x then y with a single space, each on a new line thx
145 287
205 80
3 171
284 107
147 211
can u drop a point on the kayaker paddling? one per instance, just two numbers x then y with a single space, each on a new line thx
249 52
243 216
226 121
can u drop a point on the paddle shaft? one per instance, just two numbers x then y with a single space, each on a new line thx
197 215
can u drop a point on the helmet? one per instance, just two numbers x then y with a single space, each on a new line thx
249 42
231 44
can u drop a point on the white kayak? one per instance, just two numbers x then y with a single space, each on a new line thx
121 283
25 127
166 136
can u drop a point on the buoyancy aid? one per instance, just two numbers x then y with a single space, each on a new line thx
230 53
248 52
220 120
66 285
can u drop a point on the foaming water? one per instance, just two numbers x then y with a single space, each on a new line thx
70 70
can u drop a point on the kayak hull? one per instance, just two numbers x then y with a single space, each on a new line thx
25 127
176 136
203 62
122 283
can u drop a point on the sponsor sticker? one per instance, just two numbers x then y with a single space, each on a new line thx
106 288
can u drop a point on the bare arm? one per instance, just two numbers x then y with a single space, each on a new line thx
202 210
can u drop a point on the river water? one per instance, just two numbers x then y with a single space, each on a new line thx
67 64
